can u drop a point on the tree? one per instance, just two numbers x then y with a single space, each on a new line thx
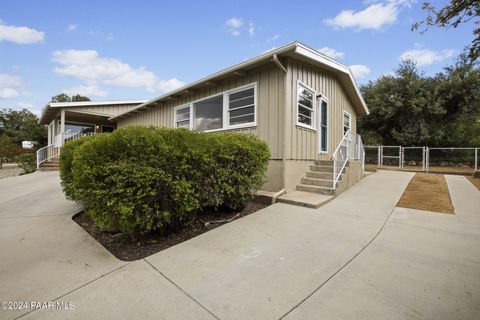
8 149
22 125
451 16
411 109
63 97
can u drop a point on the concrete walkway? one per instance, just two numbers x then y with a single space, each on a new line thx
356 257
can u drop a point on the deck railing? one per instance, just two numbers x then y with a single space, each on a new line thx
53 150
349 148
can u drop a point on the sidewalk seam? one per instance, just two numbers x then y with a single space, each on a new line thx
179 288
342 267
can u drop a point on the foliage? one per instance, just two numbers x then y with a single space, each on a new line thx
22 125
63 97
452 15
410 109
148 178
27 161
8 149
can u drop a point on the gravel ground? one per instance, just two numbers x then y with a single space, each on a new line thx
10 170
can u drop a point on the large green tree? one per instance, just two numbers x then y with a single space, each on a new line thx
411 109
63 97
22 125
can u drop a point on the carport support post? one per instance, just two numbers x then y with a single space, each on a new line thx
62 127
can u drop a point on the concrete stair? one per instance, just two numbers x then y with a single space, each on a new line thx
51 164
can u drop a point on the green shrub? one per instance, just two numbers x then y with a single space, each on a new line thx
65 165
27 161
148 178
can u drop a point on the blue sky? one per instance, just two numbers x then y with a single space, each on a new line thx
141 49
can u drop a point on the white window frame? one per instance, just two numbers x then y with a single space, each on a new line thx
226 119
226 106
183 106
345 113
313 125
322 99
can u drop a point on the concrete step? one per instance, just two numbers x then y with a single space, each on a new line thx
324 162
48 169
317 182
318 168
49 164
319 175
316 189
305 199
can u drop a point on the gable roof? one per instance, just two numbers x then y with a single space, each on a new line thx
294 49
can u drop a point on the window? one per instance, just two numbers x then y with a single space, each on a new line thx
305 101
323 125
241 107
209 114
230 109
346 122
73 128
182 117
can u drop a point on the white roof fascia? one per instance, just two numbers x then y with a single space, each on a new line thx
323 59
93 103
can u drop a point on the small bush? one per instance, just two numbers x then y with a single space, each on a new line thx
27 161
148 178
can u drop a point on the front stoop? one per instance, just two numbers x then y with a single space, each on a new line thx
305 199
51 164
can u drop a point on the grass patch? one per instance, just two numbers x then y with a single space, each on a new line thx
427 191
475 181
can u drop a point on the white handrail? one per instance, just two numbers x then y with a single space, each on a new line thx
349 148
46 153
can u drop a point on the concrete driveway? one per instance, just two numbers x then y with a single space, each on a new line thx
358 257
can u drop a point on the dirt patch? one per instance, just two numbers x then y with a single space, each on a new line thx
427 191
475 181
139 246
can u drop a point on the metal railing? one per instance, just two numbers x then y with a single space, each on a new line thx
46 153
349 148
53 150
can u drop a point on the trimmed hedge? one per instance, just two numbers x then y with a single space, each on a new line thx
148 178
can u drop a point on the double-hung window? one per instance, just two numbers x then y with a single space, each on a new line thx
305 106
227 110
346 122
323 125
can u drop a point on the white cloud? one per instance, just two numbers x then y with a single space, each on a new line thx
251 29
359 70
234 25
21 35
11 86
72 27
375 16
332 53
274 37
29 106
425 57
89 67
89 91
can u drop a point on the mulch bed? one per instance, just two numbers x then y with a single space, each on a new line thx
130 248
427 191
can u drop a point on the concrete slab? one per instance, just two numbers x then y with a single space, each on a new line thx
306 199
407 272
136 291
465 196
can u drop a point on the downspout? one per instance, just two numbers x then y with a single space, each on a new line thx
284 155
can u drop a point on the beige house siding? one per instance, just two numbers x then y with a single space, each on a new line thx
302 143
110 110
270 102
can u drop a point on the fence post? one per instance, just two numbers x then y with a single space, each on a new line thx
427 159
400 158
476 159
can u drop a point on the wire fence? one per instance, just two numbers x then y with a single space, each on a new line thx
423 159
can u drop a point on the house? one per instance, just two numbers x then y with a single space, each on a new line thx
304 104
68 120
